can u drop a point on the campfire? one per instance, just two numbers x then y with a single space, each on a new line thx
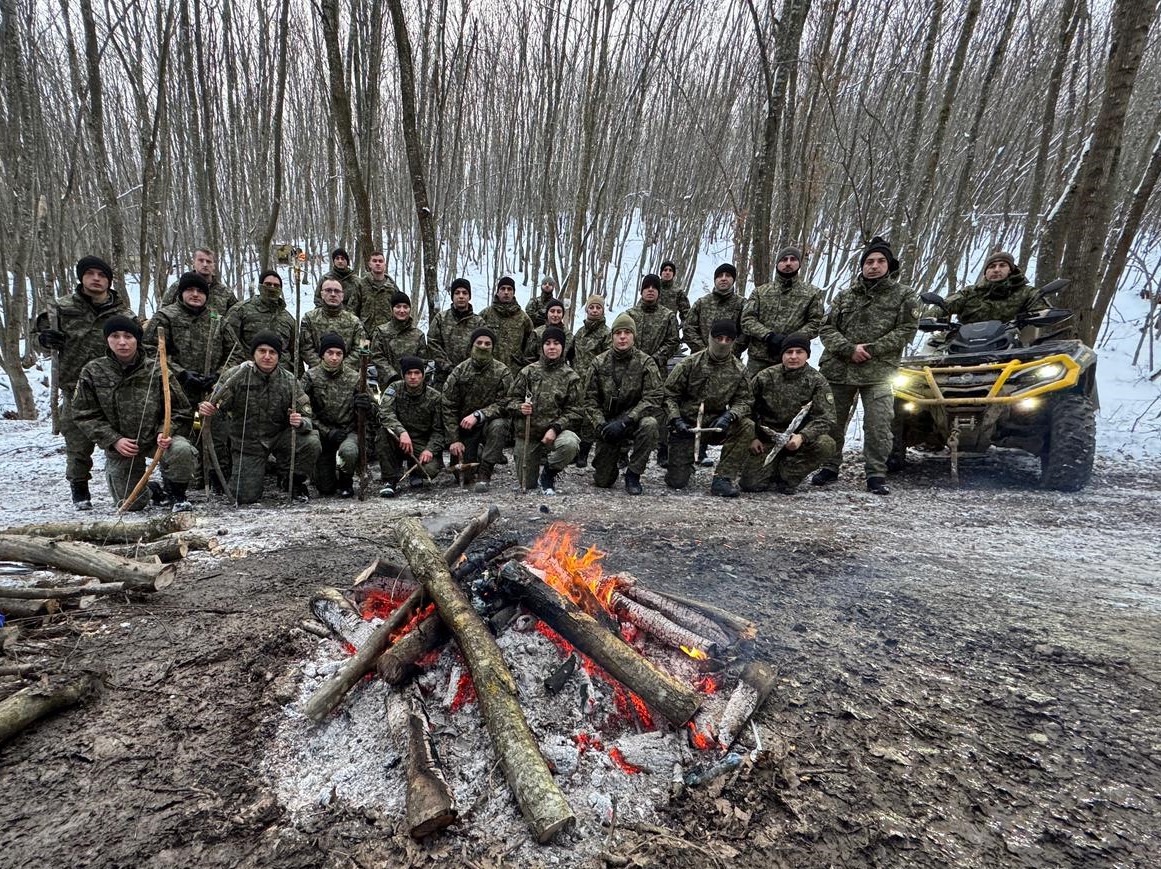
595 697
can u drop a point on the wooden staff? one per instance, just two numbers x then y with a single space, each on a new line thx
163 361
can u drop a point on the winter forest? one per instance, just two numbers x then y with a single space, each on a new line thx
534 137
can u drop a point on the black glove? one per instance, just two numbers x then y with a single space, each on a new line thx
207 381
363 402
679 426
335 438
51 339
723 421
774 344
186 378
614 430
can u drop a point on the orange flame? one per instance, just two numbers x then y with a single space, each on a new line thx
622 764
696 654
701 741
555 553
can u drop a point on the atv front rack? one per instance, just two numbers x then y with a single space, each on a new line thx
993 383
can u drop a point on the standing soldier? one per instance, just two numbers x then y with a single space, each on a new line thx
372 301
396 339
475 424
672 296
449 337
590 341
554 310
623 396
333 390
780 393
864 335
205 264
657 338
265 402
265 312
537 307
709 390
411 428
340 270
330 318
787 304
722 303
74 329
120 406
545 401
509 324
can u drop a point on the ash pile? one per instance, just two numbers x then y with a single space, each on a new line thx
519 696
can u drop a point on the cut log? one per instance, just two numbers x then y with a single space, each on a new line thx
33 703
345 623
67 592
117 531
28 608
659 626
678 613
753 688
87 560
19 669
741 628
660 691
166 549
540 800
397 666
430 803
331 692
313 627
196 539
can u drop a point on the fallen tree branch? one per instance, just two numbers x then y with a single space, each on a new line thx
35 702
84 559
118 531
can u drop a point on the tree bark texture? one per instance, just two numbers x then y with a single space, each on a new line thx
31 704
84 559
116 531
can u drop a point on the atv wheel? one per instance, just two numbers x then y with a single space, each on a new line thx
1066 463
897 460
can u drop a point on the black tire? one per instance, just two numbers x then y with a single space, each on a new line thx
897 460
1066 462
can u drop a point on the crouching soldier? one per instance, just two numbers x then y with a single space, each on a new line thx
332 388
120 406
474 421
623 395
780 394
265 403
411 428
710 384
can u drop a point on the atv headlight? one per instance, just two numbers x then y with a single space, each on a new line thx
1051 371
901 380
1028 404
909 407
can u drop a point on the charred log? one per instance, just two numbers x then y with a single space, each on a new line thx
678 613
397 665
753 688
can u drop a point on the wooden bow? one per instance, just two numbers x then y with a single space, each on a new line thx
163 361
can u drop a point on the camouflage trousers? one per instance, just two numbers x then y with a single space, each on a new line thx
331 463
485 443
878 415
681 458
557 455
219 428
393 461
790 467
643 439
249 471
122 474
78 447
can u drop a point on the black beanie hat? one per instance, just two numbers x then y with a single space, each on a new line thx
651 281
93 262
879 245
505 282
796 339
724 328
339 251
400 298
552 332
727 268
554 303
192 280
330 341
270 339
668 264
121 323
410 363
483 332
269 273
460 283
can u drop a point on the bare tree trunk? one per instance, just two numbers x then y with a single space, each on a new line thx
266 239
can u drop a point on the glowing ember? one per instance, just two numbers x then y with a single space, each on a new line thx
380 604
584 743
706 684
622 764
349 649
696 654
701 741
465 693
416 617
643 713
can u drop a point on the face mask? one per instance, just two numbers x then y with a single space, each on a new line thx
480 355
270 292
718 352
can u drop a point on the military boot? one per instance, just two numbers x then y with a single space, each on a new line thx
877 486
483 478
823 477
724 487
179 503
703 458
582 457
81 498
388 489
346 485
633 483
663 455
158 494
301 493
547 480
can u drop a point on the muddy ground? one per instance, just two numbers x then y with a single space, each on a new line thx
969 677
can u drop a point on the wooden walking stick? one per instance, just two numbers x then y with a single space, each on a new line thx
527 437
297 339
361 424
163 363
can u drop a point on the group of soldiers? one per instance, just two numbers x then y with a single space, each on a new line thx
260 389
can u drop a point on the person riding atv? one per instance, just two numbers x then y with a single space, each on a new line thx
1001 293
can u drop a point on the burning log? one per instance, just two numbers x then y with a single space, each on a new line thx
165 550
33 703
682 615
675 701
741 628
659 626
397 665
344 622
555 681
430 802
87 560
537 795
116 531
753 688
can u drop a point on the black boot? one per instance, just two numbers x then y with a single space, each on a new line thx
877 486
582 457
724 487
179 503
703 458
388 489
482 477
823 477
301 493
548 480
81 499
158 494
663 455
633 483
346 485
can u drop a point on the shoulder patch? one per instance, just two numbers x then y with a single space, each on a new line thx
390 392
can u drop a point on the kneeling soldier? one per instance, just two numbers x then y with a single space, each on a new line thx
332 388
119 405
623 396
473 404
411 417
780 393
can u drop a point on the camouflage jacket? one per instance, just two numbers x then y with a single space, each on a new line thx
83 324
537 308
703 314
449 336
259 404
219 301
512 327
884 316
420 414
675 299
628 386
188 334
470 388
372 302
656 332
556 397
532 348
721 385
779 395
351 283
782 308
590 341
318 322
1002 301
256 315
114 401
390 343
332 397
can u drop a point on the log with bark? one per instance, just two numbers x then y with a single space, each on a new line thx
660 691
87 560
164 550
68 592
397 665
741 628
753 688
540 800
196 539
685 616
26 608
21 670
430 802
33 703
659 626
116 531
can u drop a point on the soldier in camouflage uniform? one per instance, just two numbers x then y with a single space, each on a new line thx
333 318
220 299
623 395
333 390
373 295
713 377
73 328
340 270
780 392
265 312
547 394
411 428
396 339
1001 293
864 335
672 296
590 341
554 310
657 338
510 325
119 404
723 303
475 421
537 307
787 304
265 401
449 335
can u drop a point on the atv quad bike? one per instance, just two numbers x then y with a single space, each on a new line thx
1021 384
